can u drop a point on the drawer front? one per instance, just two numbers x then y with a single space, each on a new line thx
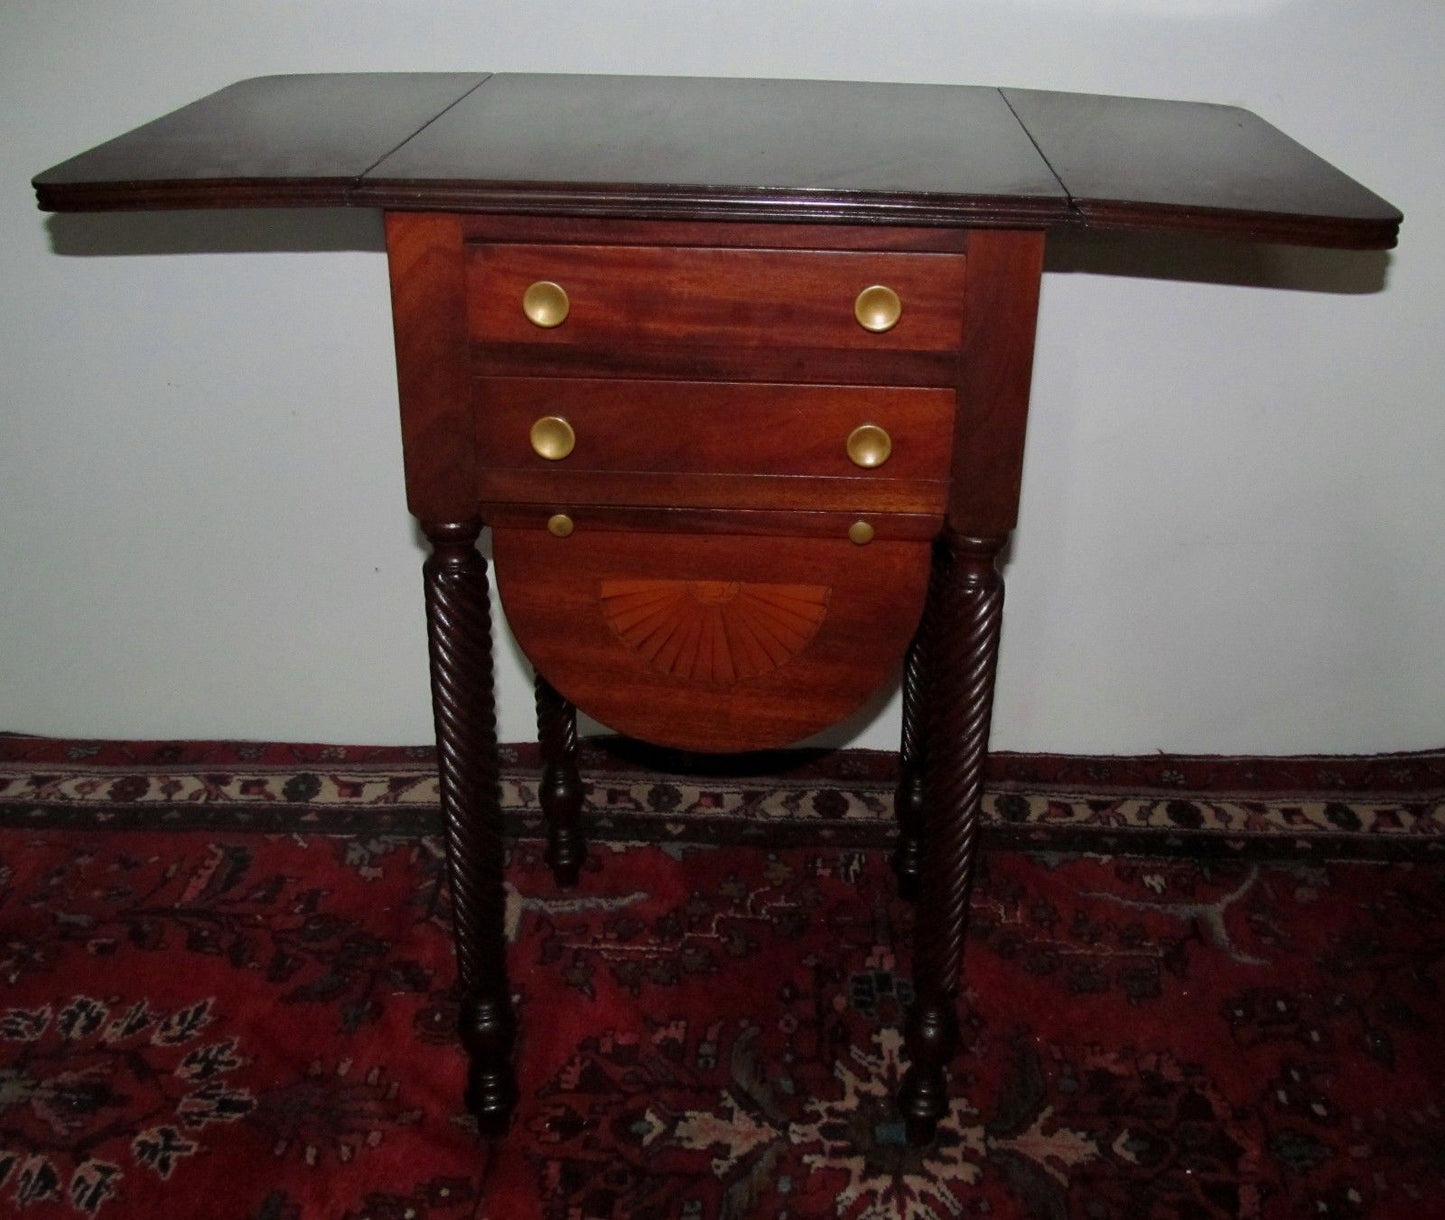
699 427
688 296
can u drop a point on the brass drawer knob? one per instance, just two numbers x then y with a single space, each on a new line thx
878 308
869 446
553 438
860 533
559 525
546 304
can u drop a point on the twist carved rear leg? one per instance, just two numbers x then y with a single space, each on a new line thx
908 799
560 793
965 609
459 634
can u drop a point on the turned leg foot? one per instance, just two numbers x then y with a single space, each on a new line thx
488 1034
459 634
932 1036
965 606
560 792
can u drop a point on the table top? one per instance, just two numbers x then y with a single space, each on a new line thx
728 149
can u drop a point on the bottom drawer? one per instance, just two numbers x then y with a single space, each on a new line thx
708 642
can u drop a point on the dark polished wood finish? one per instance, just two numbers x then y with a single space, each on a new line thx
686 572
963 618
729 298
273 141
713 445
775 523
459 634
909 797
710 234
716 642
697 149
1139 163
560 792
995 370
801 365
428 311
757 428
743 493
681 148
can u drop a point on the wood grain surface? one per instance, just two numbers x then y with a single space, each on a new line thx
706 689
706 594
736 522
712 427
692 362
995 372
752 492
1141 163
694 149
428 312
625 295
290 141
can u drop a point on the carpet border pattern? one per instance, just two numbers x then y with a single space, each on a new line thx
1356 807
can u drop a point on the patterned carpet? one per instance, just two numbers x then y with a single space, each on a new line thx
225 991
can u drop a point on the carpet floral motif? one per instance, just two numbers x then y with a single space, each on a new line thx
1132 1052
261 1025
91 1095
224 992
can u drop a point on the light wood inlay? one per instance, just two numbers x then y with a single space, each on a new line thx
713 630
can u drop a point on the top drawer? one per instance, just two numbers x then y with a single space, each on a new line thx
704 297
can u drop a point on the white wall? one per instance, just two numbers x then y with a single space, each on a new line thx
1233 501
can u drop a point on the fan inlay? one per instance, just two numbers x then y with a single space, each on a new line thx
713 630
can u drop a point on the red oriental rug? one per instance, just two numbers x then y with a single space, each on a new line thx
225 991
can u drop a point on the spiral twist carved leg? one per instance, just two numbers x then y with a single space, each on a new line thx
966 611
560 793
459 633
908 802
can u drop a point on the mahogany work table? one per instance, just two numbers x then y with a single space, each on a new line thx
737 373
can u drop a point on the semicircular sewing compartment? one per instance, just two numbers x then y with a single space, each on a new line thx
713 488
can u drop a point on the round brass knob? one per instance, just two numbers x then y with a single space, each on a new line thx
553 438
860 532
559 525
546 304
877 308
869 446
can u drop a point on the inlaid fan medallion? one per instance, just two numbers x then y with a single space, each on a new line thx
713 630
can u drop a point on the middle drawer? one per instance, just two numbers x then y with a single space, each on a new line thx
562 425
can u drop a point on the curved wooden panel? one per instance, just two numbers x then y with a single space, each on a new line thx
711 642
